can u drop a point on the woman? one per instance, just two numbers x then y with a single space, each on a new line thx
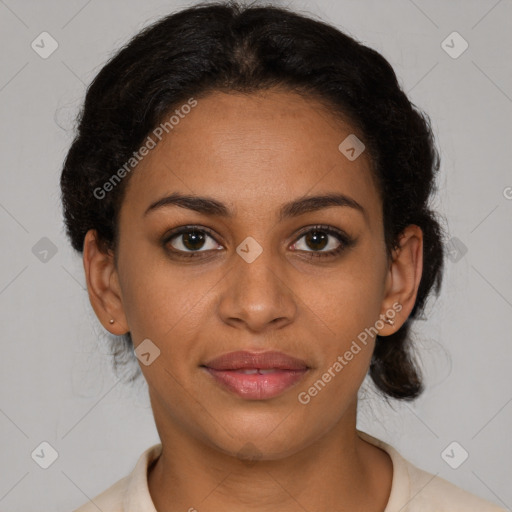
249 189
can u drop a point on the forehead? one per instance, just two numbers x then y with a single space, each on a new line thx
253 151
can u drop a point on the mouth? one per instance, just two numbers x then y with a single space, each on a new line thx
256 376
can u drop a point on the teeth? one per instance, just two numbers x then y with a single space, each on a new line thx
253 371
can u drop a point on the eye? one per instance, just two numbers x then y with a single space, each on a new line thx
318 237
190 239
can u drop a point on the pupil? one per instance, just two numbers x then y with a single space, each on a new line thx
316 237
195 240
192 238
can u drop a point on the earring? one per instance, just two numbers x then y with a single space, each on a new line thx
389 321
111 321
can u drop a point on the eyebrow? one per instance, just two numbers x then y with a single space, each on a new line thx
210 206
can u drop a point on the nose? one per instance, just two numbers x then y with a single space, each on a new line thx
258 295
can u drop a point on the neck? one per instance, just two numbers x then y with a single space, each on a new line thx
338 471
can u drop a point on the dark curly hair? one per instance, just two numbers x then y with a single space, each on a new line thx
226 46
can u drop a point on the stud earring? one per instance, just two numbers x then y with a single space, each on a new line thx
389 321
111 321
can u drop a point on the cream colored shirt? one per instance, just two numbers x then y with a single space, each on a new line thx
412 489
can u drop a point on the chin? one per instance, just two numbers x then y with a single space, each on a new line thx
268 439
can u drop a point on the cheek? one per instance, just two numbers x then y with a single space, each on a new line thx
166 303
341 330
341 311
345 301
152 292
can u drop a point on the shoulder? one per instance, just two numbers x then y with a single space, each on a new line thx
110 500
416 490
131 492
429 493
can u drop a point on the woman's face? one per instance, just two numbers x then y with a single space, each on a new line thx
252 279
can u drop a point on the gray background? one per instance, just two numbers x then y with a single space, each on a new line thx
56 381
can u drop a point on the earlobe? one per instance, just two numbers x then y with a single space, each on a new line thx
403 278
103 286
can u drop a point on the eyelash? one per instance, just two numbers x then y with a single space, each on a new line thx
343 238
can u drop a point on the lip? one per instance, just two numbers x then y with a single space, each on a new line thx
272 373
244 359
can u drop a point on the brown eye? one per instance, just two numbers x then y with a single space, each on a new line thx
190 240
320 238
193 240
317 240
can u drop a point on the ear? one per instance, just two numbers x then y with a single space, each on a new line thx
103 285
403 279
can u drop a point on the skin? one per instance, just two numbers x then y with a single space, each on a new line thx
254 153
